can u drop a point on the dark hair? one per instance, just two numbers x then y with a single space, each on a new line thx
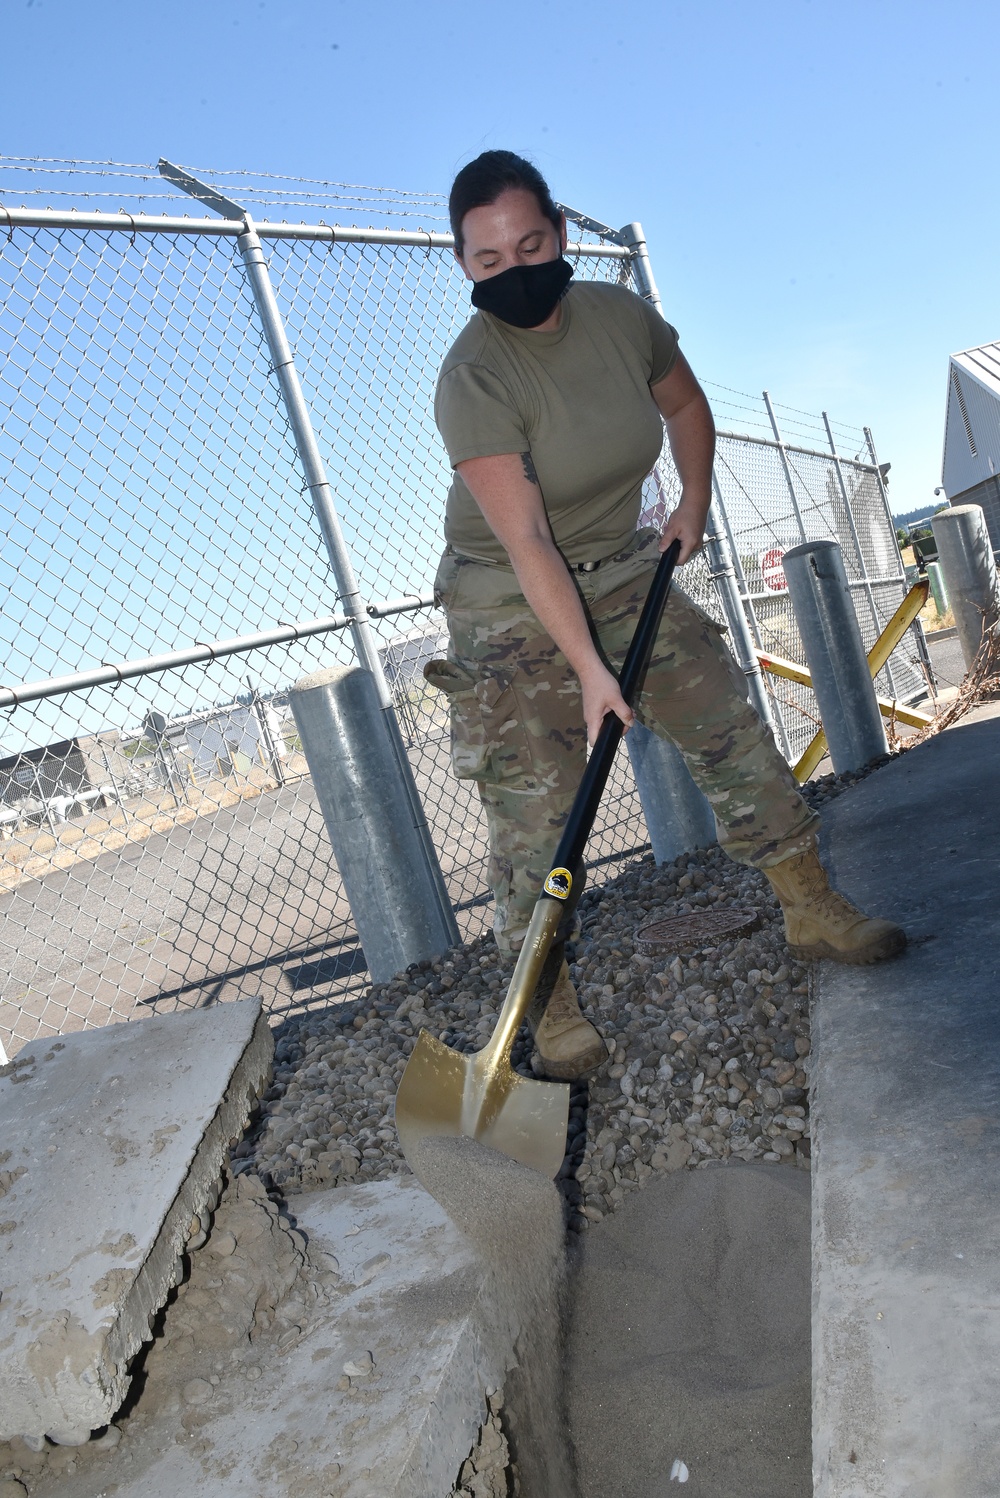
482 181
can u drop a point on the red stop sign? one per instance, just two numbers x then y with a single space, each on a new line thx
772 571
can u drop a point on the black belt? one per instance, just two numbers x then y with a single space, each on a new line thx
619 556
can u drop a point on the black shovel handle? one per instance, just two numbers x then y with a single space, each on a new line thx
595 777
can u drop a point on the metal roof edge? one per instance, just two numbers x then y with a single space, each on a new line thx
990 343
984 378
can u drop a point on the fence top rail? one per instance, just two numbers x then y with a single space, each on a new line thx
806 452
143 223
112 673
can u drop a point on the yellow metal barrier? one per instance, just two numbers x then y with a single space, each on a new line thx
878 655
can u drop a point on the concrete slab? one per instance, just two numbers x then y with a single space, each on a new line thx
905 1126
688 1339
111 1141
406 1306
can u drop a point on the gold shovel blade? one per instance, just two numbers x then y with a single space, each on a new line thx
481 1097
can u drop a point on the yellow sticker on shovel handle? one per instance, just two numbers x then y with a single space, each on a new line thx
559 883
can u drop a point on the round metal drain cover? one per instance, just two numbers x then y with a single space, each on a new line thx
701 928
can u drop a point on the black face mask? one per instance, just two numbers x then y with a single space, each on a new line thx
525 295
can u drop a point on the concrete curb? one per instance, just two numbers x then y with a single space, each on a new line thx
906 1206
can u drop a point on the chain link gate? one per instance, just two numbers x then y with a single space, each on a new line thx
160 843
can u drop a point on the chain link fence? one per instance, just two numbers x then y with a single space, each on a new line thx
776 495
166 582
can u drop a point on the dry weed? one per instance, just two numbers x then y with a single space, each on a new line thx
980 684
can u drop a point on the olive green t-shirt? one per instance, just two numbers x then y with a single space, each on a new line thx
577 399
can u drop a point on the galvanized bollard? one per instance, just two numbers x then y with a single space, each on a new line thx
678 817
970 572
835 653
396 892
939 591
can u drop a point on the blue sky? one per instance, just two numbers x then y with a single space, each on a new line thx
816 181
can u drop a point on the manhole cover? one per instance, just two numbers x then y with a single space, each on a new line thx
702 928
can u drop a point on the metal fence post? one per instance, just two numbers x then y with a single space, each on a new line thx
970 573
723 574
862 564
740 590
835 652
780 444
313 467
939 590
44 801
368 817
118 790
720 557
156 730
634 241
283 364
259 710
916 628
677 815
322 500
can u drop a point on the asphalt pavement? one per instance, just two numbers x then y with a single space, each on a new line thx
947 660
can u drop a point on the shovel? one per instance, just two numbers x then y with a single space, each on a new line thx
443 1091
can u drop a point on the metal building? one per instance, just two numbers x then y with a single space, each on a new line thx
970 469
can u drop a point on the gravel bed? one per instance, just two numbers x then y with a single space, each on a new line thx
826 787
708 1052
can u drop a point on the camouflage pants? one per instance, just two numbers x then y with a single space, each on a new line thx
518 730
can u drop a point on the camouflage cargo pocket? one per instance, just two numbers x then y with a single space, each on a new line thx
488 740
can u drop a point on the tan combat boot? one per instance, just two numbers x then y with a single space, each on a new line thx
821 923
567 1044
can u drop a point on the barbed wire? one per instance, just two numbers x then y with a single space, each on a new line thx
842 427
149 172
256 201
851 434
141 182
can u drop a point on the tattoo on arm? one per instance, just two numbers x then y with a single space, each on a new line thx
529 468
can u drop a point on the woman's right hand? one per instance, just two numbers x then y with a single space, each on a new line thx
602 695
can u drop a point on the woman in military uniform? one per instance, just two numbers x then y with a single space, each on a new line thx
551 404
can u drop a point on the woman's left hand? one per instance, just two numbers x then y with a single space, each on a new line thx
687 525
